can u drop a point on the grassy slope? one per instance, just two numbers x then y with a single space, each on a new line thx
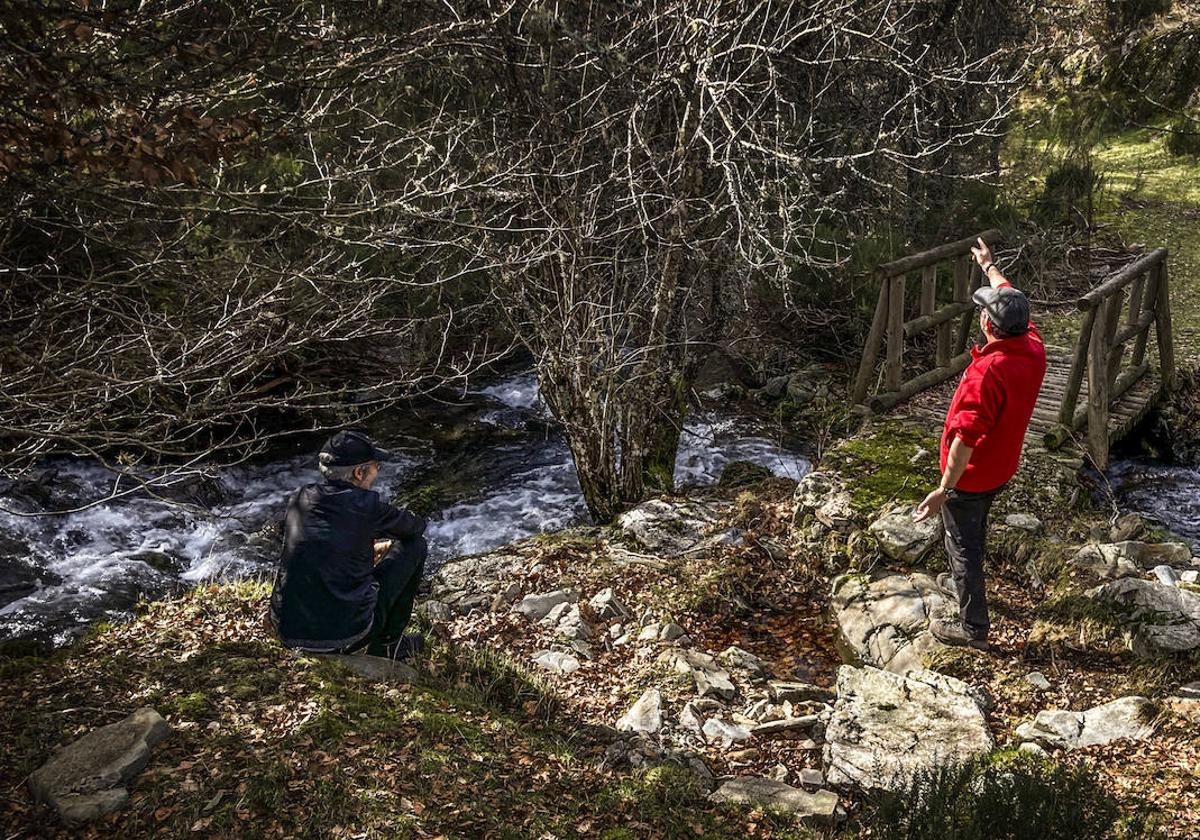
271 744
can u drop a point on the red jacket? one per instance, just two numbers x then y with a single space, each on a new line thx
992 407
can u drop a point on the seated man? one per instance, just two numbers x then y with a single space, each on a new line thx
337 589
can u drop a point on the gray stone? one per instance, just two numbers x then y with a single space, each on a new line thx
784 725
1120 559
571 625
823 496
1033 747
670 632
649 633
644 716
819 807
1127 527
607 605
690 718
717 731
812 777
86 778
1167 618
1024 521
538 606
885 621
437 611
902 539
377 668
1130 718
1038 680
556 662
744 662
669 528
798 692
714 683
1166 575
886 727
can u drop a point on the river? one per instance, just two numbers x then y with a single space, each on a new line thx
59 573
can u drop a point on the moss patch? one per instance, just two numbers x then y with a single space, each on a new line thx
884 464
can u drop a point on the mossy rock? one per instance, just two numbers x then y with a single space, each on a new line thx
889 461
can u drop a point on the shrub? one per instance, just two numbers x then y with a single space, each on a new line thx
1004 796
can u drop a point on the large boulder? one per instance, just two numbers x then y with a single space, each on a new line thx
669 528
887 727
1131 718
902 539
885 621
1167 618
819 806
86 779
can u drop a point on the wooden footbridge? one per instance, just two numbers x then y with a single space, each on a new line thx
1103 384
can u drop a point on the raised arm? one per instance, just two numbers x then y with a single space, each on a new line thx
983 256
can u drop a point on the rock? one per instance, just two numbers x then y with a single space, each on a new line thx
823 496
645 715
669 528
818 807
1128 717
717 731
605 604
556 662
743 756
886 727
690 718
1033 747
160 561
538 606
649 633
779 773
714 683
798 692
1120 559
1172 613
784 725
1024 521
886 621
1166 575
1127 527
86 779
812 777
1038 680
744 662
902 539
571 625
437 611
670 632
377 668
1185 701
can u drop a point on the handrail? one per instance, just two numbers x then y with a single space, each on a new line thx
1121 279
937 254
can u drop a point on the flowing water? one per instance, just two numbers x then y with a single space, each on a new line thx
1167 494
59 573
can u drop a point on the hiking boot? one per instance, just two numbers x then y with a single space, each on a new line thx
954 632
409 646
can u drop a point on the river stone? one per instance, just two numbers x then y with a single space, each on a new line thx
86 779
1128 717
538 606
377 668
556 662
1127 527
823 496
644 716
887 727
902 539
1172 613
819 806
885 621
669 528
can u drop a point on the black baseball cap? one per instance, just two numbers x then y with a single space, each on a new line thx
1007 308
350 448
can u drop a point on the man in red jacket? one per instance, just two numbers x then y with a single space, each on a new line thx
981 443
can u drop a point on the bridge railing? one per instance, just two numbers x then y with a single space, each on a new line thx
952 322
1140 289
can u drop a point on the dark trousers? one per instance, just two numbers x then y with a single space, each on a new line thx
399 574
965 517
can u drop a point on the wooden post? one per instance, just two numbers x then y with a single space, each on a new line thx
1147 303
1115 303
1098 387
1078 364
1162 327
866 365
894 370
962 292
928 289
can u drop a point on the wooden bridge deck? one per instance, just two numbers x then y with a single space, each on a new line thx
1094 394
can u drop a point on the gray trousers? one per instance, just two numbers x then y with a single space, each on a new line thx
965 517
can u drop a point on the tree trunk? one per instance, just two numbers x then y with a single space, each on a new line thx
662 440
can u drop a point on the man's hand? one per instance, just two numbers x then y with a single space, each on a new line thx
931 506
381 549
982 254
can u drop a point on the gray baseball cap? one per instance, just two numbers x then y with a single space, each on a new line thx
1006 307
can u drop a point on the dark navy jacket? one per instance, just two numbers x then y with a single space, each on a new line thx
324 593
